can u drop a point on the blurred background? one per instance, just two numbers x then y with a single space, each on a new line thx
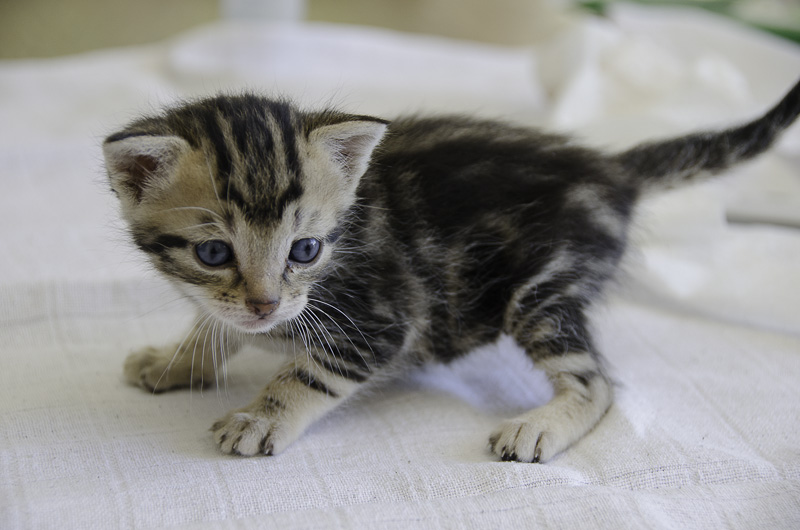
50 28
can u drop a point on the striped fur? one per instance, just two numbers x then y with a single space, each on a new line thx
450 233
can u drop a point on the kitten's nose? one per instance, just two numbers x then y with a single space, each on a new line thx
262 308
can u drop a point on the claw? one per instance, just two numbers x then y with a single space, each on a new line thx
235 445
265 447
537 451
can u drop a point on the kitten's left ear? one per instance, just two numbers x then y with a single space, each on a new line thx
138 164
350 143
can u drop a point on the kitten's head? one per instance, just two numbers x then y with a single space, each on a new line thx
240 200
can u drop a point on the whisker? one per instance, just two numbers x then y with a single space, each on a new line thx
309 357
213 184
163 305
348 319
311 308
302 331
328 340
209 316
355 348
224 347
204 355
200 208
213 223
166 370
214 329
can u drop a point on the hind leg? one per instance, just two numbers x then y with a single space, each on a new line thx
582 392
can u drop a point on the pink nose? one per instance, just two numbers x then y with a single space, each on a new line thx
262 308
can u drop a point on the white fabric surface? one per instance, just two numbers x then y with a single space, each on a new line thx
703 338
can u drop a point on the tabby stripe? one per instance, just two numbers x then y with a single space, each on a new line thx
161 244
334 236
249 132
585 377
282 114
189 275
268 209
235 196
593 240
543 295
314 384
217 138
273 404
289 195
340 370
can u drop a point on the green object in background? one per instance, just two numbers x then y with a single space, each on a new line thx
780 17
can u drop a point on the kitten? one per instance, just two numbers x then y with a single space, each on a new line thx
385 245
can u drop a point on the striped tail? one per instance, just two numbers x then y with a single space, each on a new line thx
668 163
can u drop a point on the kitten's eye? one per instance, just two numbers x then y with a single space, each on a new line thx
305 250
214 253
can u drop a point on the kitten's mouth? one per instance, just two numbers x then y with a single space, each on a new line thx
257 325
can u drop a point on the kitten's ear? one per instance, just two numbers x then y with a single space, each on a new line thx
136 164
350 143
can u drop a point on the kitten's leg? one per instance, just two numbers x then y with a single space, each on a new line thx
194 363
302 392
582 391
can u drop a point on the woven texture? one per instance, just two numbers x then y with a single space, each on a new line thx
703 336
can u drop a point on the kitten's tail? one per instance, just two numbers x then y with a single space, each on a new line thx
667 163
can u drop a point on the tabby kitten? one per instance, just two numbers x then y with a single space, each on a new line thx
382 246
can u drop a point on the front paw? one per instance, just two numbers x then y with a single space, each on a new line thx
146 368
253 430
156 370
528 440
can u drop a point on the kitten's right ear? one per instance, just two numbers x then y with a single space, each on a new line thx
139 163
350 143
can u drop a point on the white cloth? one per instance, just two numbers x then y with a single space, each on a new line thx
704 341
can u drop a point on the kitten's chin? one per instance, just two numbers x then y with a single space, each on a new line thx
256 325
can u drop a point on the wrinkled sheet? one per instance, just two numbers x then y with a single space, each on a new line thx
702 334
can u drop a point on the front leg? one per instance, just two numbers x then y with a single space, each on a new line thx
298 395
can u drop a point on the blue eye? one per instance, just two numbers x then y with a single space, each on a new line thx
305 250
214 253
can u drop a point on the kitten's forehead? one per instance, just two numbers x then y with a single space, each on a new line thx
265 202
252 147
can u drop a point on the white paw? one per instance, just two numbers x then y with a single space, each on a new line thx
530 439
253 430
150 369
